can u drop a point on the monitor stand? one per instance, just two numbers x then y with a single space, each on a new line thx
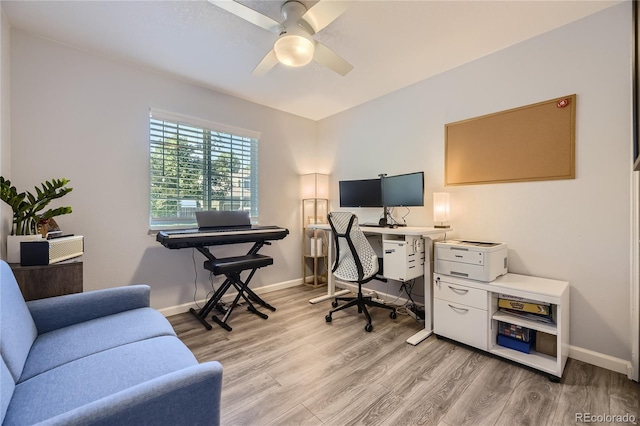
383 220
386 222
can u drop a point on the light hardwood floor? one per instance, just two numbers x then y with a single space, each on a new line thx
296 369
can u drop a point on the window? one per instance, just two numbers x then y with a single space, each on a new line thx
197 165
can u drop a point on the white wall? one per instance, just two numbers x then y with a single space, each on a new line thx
575 230
85 117
5 122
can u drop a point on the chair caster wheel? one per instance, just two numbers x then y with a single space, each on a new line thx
393 315
327 318
334 303
368 328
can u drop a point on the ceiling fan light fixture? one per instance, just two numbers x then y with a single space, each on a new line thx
294 50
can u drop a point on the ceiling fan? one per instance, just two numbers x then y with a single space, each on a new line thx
295 45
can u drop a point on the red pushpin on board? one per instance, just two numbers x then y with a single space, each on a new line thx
562 103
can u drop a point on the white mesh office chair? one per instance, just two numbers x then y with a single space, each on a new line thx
355 262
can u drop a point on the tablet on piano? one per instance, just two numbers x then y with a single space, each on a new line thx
223 219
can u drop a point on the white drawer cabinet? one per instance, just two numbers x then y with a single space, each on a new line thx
467 311
460 313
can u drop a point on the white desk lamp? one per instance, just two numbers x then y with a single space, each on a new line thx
441 209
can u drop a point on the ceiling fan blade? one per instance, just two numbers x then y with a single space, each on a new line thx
268 62
248 14
330 59
322 14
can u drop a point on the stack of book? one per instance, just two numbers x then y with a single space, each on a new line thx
525 308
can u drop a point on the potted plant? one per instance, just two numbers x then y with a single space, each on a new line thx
28 211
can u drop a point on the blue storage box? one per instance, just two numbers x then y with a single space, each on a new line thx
515 331
515 344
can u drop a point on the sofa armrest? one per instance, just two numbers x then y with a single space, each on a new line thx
186 397
61 311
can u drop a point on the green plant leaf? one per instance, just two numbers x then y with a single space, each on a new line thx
25 205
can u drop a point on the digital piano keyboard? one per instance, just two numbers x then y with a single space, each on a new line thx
218 236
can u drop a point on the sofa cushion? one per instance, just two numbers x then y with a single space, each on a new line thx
96 376
67 344
17 328
6 388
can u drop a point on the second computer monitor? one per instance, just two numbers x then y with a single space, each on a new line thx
403 190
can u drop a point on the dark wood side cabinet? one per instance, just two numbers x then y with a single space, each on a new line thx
38 282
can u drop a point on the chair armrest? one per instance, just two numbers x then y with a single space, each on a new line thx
187 397
61 311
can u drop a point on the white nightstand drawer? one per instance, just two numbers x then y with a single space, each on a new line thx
461 323
461 294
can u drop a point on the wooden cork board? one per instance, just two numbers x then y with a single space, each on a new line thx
533 142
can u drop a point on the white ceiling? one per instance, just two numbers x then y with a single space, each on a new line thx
391 43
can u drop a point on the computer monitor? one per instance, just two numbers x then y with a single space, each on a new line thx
360 193
403 190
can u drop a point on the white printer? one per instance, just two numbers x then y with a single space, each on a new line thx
474 260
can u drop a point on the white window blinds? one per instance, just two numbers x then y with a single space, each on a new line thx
198 165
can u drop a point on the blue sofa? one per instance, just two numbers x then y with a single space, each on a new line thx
102 357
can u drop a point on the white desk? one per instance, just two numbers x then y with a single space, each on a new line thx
422 231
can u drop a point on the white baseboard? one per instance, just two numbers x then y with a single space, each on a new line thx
608 362
228 297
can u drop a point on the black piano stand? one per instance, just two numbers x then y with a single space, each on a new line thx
231 267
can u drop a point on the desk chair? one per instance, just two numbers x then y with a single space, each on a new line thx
355 262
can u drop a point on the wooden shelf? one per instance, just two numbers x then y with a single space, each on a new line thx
314 212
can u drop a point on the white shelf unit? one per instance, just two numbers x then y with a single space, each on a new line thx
471 310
